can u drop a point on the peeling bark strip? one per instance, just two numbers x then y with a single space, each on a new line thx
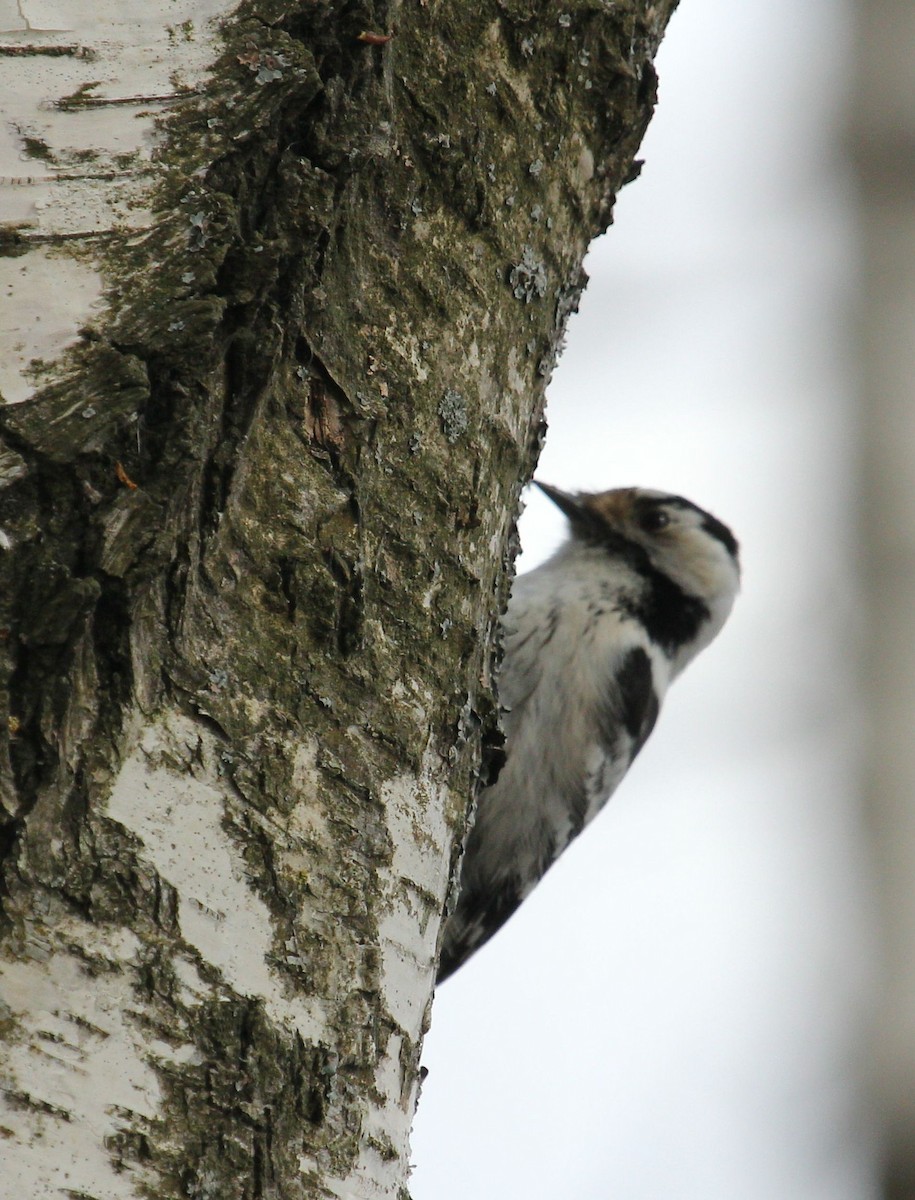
284 284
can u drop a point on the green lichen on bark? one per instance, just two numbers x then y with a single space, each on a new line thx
347 234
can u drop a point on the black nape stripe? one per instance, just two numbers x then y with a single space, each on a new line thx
712 526
671 617
718 530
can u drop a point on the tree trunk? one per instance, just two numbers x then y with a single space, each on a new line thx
283 286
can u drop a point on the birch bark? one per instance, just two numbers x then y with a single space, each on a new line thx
282 287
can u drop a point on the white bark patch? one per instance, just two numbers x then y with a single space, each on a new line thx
169 795
79 1068
83 85
44 299
408 930
585 167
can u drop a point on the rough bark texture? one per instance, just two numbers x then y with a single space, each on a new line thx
257 529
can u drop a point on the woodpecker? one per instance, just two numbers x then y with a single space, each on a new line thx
592 638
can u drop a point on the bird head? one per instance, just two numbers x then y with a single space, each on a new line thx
675 537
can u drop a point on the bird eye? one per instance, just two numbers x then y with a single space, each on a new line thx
654 519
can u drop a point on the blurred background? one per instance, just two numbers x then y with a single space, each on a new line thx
712 995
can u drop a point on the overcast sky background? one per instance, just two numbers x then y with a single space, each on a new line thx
680 1010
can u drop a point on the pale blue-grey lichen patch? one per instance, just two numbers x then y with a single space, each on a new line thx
452 410
528 277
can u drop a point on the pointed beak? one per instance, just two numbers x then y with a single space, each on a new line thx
564 501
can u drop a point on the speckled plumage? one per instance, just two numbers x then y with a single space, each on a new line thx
593 638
